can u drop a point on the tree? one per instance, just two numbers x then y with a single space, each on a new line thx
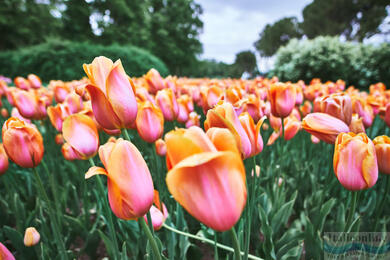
75 20
277 35
245 62
354 19
26 22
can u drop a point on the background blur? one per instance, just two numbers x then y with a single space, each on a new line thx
293 40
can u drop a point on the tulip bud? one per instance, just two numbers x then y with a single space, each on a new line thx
161 147
149 122
354 161
3 160
167 102
282 97
4 113
31 237
158 212
34 80
22 142
382 148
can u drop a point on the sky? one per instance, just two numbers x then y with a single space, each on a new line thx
231 26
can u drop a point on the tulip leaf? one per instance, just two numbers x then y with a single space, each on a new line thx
108 243
266 230
281 216
324 212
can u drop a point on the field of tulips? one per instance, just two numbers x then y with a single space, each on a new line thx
181 168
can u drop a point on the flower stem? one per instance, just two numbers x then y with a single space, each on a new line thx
53 190
352 210
53 218
126 134
106 210
206 240
152 241
380 209
236 244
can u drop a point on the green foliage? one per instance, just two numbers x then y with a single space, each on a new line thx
209 69
277 35
245 62
64 59
328 58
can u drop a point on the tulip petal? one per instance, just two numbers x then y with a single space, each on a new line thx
95 171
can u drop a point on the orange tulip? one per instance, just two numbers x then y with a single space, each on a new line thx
112 96
30 104
3 160
81 136
4 113
324 126
57 115
31 237
291 127
354 161
22 142
357 125
59 139
209 183
61 91
305 108
5 254
154 80
382 147
74 102
130 186
282 97
193 120
167 102
22 83
338 105
253 133
149 122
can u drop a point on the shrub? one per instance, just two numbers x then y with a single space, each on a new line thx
328 58
63 60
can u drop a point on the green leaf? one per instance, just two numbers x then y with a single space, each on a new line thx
108 243
281 216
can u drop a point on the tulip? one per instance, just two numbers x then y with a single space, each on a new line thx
61 91
220 137
387 115
382 148
357 125
161 147
354 161
154 80
30 104
130 186
3 160
224 116
31 237
209 183
324 126
149 122
74 102
81 135
15 113
22 83
273 137
34 80
59 139
57 115
22 142
306 108
5 254
253 133
167 102
158 212
291 127
275 122
112 96
193 120
338 105
4 113
282 98
314 139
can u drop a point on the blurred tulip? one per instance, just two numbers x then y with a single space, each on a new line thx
22 142
354 161
34 80
305 108
30 105
324 126
112 96
31 237
4 113
5 254
22 83
193 120
291 127
282 97
338 105
166 100
74 102
161 147
208 183
275 122
150 122
387 115
158 212
253 133
382 148
130 185
61 91
220 137
80 133
154 80
15 113
59 139
57 115
314 139
3 160
273 137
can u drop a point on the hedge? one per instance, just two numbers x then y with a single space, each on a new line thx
63 60
328 58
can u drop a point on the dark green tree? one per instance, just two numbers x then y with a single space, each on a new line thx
354 19
75 20
245 62
276 35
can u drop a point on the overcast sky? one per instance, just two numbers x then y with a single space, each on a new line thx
231 26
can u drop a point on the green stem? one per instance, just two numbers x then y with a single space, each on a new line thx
152 241
352 210
206 240
53 187
236 244
53 218
126 134
107 211
282 130
380 209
